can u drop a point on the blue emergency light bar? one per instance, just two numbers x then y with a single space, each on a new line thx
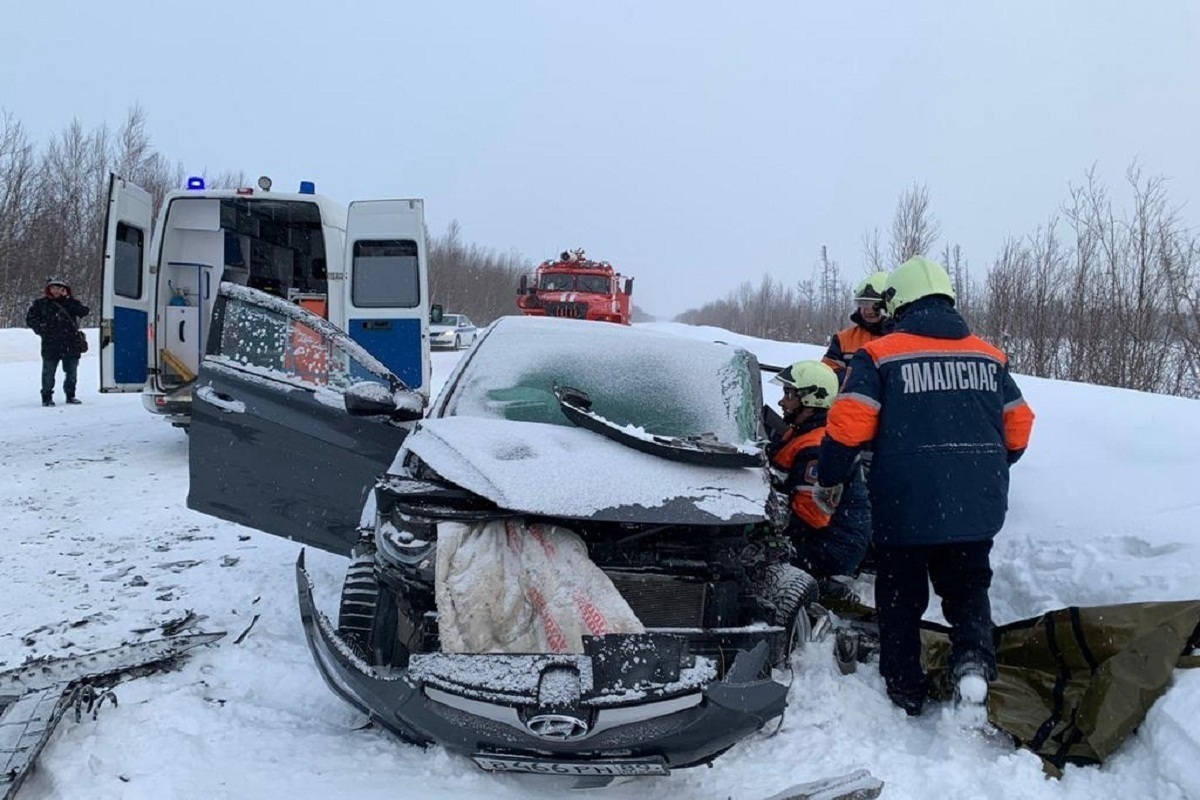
195 183
308 187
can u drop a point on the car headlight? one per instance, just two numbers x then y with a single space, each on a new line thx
401 546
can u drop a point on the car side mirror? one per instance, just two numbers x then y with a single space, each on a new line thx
435 313
524 285
370 399
629 286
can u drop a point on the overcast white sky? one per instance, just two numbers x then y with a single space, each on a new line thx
694 144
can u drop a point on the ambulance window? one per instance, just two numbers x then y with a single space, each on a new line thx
385 274
127 261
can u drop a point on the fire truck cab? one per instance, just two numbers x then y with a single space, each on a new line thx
576 287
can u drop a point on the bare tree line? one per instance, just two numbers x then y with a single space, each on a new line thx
1096 294
473 280
53 203
817 306
1102 296
477 281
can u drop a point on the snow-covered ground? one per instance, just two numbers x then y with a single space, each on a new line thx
98 548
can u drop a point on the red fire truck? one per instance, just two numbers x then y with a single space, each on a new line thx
574 286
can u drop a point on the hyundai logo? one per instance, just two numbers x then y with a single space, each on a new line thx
559 727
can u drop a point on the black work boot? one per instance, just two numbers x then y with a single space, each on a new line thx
47 400
912 702
838 588
74 401
909 695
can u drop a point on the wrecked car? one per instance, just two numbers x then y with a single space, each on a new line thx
559 571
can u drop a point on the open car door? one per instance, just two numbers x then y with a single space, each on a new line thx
127 293
291 421
387 294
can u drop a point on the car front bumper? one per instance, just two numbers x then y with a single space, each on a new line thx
678 718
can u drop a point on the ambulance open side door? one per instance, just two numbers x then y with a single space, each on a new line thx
386 291
127 291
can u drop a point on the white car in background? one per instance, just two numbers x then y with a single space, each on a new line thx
455 331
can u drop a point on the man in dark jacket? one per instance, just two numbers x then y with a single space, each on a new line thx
55 318
829 542
945 421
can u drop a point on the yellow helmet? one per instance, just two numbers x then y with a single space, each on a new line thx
871 287
916 278
815 382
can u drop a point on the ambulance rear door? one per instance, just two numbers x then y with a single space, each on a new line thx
127 292
387 286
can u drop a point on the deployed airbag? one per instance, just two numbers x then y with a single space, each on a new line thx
506 586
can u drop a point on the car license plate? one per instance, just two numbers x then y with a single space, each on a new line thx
492 763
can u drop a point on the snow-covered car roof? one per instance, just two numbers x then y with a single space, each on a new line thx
499 432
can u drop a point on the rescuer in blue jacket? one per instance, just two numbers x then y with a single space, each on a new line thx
945 420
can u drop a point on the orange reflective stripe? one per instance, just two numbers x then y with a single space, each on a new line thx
1018 423
804 506
786 457
903 345
853 421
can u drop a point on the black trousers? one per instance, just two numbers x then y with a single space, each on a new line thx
70 366
961 575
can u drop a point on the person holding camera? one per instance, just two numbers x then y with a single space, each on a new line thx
55 318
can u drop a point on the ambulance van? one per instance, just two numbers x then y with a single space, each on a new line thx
362 268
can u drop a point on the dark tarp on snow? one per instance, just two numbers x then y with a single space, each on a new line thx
1076 681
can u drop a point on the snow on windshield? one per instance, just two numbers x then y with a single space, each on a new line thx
663 384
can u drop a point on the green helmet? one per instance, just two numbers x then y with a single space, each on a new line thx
916 278
871 287
816 383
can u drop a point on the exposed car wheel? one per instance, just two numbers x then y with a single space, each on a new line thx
360 602
800 629
458 343
790 590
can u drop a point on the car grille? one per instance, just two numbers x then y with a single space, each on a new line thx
662 601
570 310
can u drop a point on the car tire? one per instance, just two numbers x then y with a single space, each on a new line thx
790 590
458 345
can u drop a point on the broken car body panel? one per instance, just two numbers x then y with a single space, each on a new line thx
669 536
683 724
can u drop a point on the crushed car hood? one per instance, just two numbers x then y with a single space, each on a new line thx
552 470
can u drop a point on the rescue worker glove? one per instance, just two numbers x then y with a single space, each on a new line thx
779 512
827 497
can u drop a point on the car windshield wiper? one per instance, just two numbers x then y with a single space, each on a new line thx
702 448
